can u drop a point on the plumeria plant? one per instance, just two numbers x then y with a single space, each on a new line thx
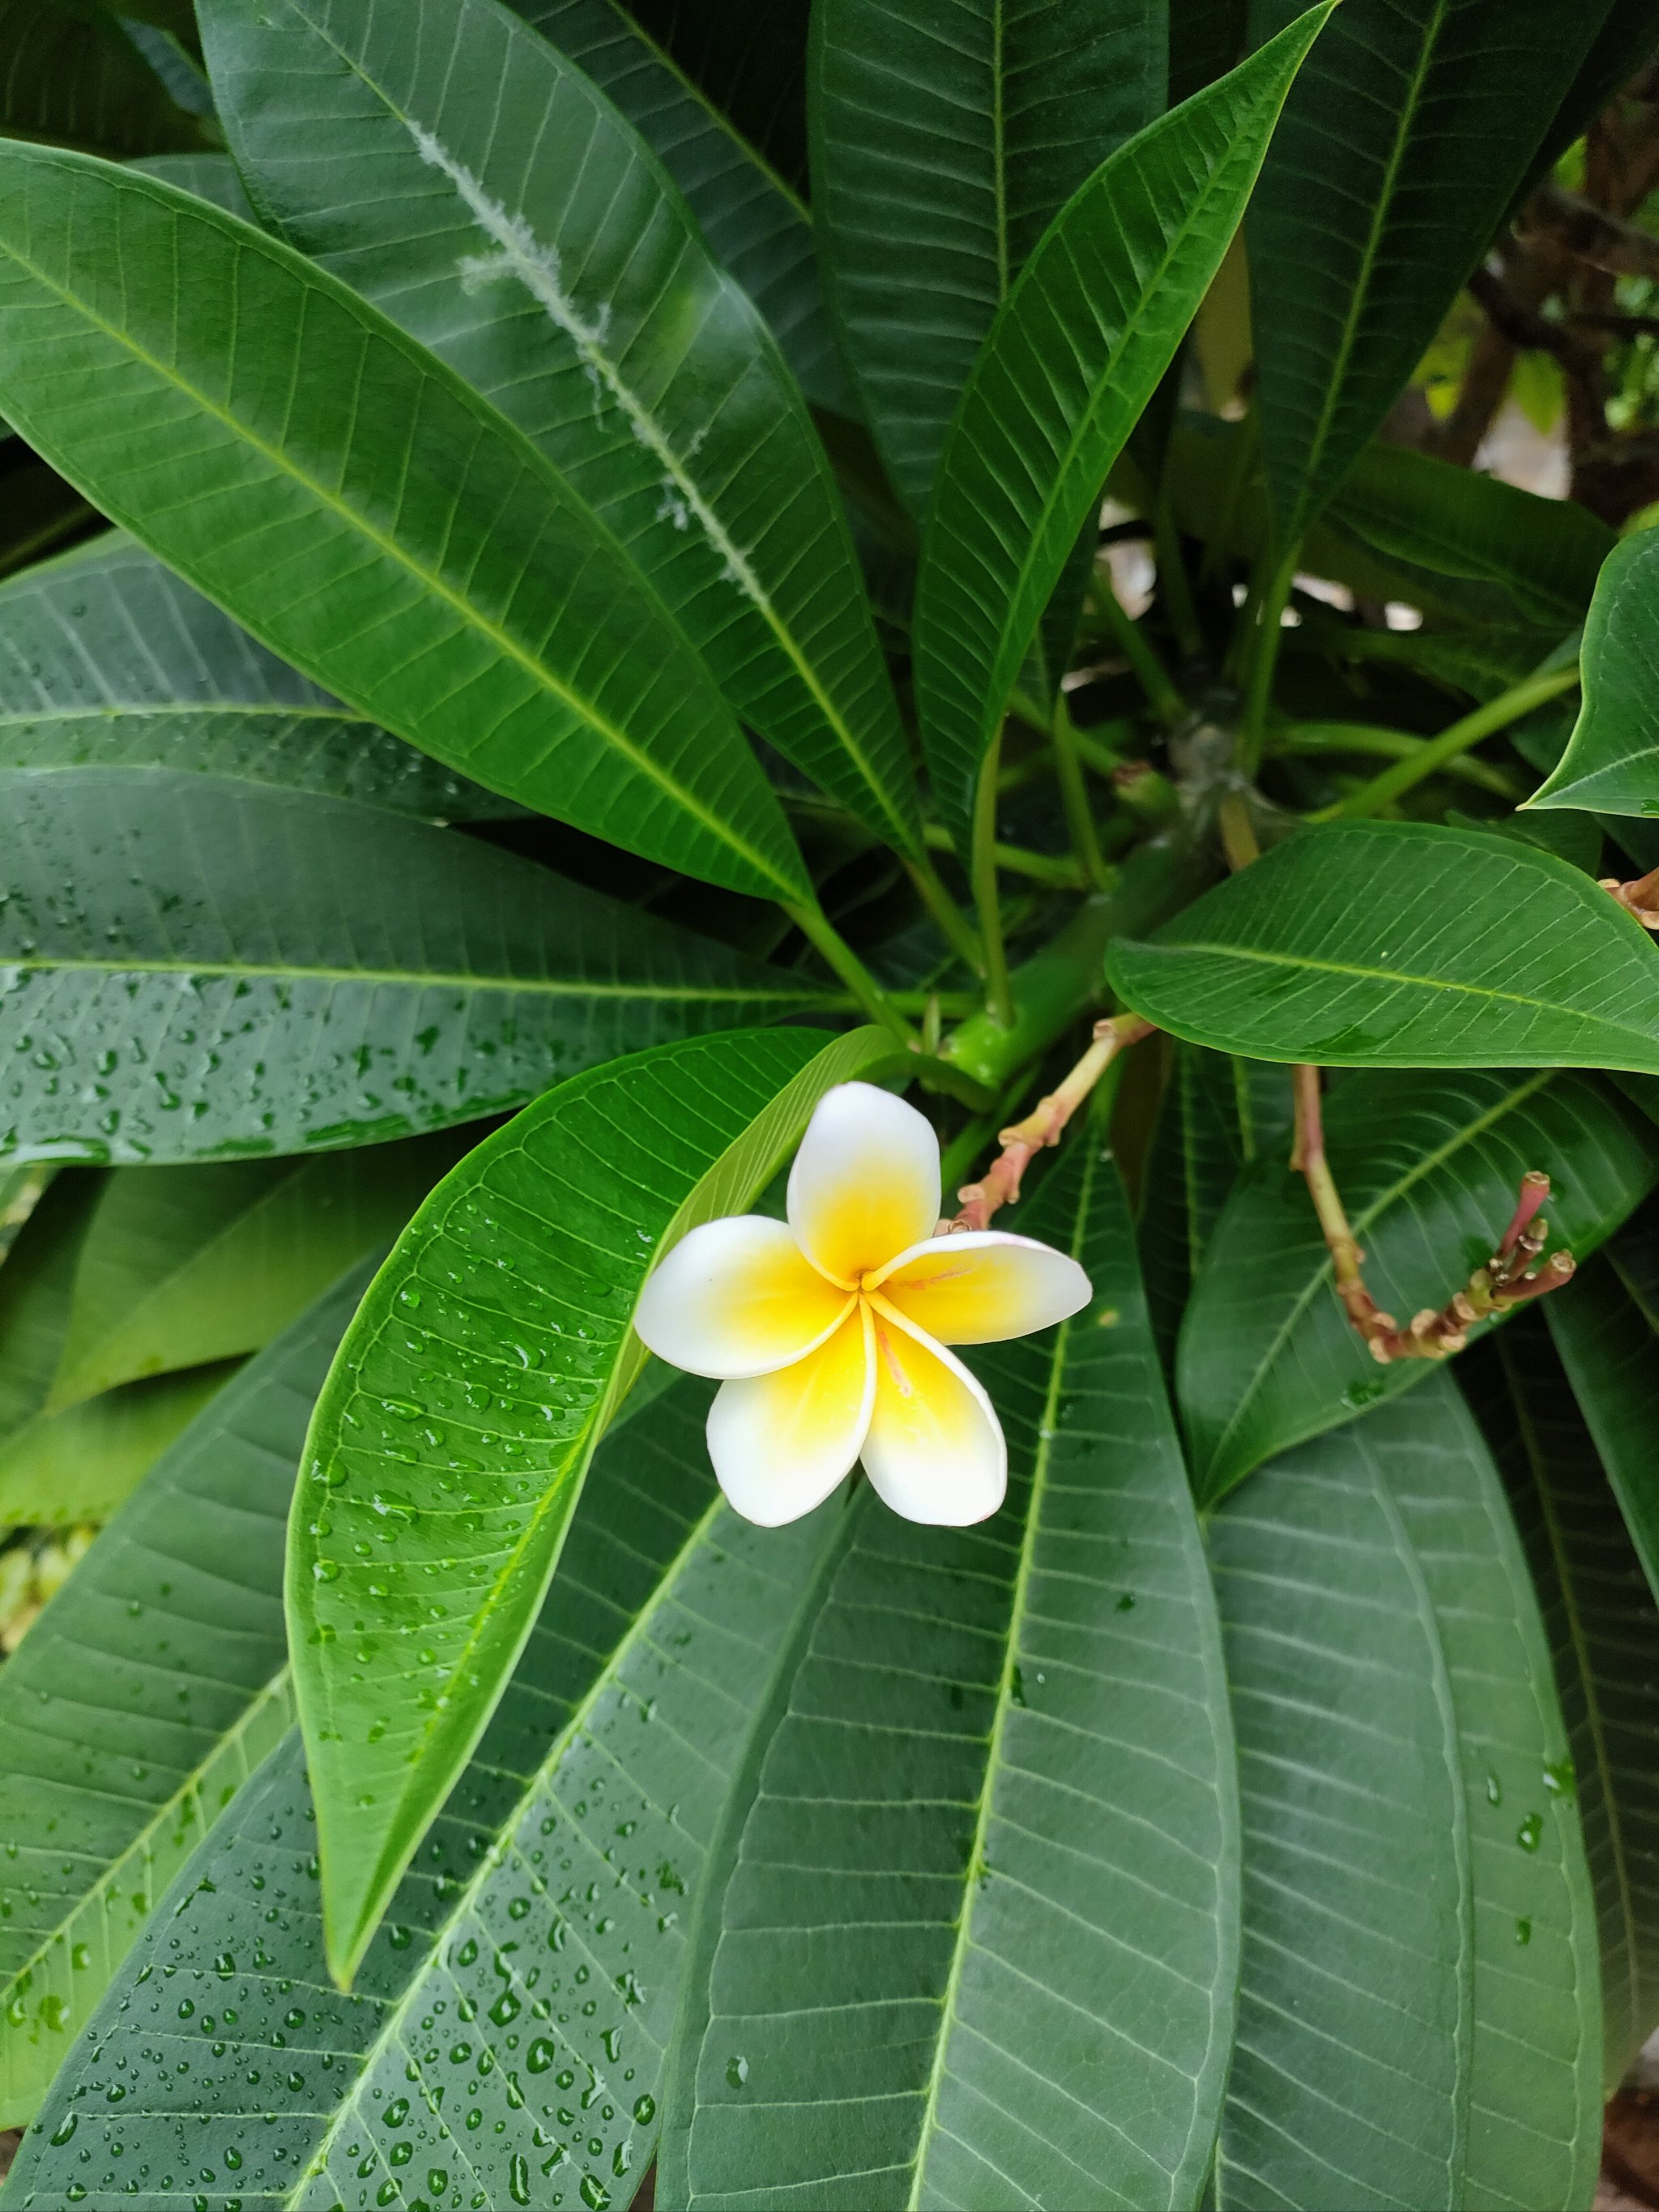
793 699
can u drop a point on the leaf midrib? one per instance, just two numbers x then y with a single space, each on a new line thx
1357 298
604 1680
420 979
1355 973
1362 1221
1047 1430
242 708
430 581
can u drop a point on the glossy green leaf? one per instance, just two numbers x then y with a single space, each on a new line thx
1612 761
36 1288
529 1973
1604 1635
209 176
1429 113
556 269
750 62
151 1687
180 1265
1076 352
942 149
60 1470
1400 945
754 218
1218 1115
250 970
107 659
1419 1998
507 633
1429 1167
1628 38
70 72
451 1442
1546 553
977 1946
1607 1337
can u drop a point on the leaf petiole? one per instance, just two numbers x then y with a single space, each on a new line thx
1508 706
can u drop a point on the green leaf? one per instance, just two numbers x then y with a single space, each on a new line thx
1546 553
556 269
1400 2040
1612 761
449 1446
1206 38
1429 1167
1400 945
107 659
1217 1115
1627 39
70 72
209 176
1604 1635
940 153
529 1971
60 1470
1429 113
754 219
1076 352
750 62
410 550
1608 1336
978 1942
21 1190
152 1687
180 1265
251 970
36 1286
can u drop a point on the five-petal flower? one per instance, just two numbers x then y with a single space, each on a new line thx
830 1331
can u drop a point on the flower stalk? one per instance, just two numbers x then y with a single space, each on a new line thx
1046 1123
1515 1273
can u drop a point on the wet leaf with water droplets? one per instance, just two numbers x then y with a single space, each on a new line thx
527 1262
271 2086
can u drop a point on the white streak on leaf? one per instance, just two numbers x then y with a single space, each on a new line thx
519 254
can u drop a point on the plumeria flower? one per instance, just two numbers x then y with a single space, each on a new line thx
830 1331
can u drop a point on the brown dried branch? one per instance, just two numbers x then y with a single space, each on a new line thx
1515 1272
1640 898
1045 1124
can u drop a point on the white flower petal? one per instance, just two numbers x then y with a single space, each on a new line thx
737 1297
781 1442
866 1181
981 1285
935 1452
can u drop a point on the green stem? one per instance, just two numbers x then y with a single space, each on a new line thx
953 924
1056 869
1436 752
1240 464
1074 797
821 932
1131 640
1322 738
982 873
1264 637
1177 592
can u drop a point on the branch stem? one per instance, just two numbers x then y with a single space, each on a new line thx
1074 797
1262 658
1131 640
1508 706
953 924
982 873
838 955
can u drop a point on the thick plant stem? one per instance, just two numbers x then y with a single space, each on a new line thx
816 927
1496 714
1508 1278
953 924
1640 898
1046 1123
1074 797
1149 672
982 872
1266 630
